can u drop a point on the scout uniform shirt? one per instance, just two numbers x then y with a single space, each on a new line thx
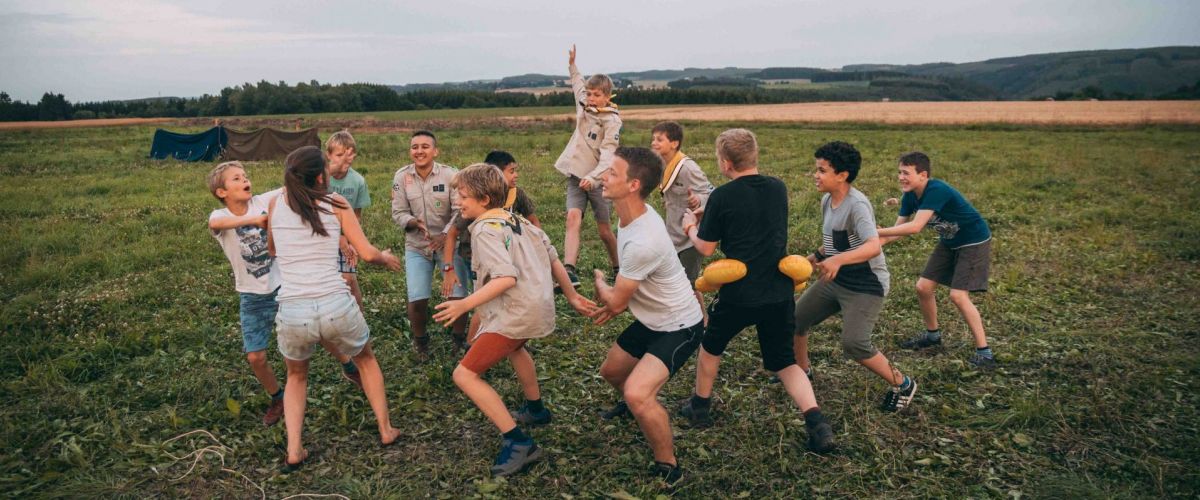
680 175
594 142
431 200
508 245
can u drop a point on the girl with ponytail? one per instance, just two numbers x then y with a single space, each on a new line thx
315 305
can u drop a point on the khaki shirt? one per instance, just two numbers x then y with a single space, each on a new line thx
675 200
520 250
431 200
594 142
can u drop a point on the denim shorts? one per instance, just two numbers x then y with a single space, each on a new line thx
418 274
257 313
334 319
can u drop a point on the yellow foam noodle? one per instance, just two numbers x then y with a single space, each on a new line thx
724 271
796 267
704 286
800 286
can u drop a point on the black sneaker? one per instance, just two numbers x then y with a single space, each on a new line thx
515 456
618 410
920 341
895 400
982 362
670 474
574 280
525 416
697 417
820 437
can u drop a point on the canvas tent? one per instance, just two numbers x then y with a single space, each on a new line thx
205 146
267 144
229 144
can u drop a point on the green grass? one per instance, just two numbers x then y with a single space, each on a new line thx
120 332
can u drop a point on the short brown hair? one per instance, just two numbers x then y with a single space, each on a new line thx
917 160
216 177
672 130
600 81
645 166
483 179
739 147
340 138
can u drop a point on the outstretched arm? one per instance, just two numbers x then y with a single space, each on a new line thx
450 310
615 298
354 234
692 229
903 228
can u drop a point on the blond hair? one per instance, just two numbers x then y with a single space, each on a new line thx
340 138
483 179
739 147
216 178
600 81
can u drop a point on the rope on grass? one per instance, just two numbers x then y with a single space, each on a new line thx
219 449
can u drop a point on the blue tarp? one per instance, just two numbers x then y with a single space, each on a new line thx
205 146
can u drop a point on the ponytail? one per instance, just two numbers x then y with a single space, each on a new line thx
305 186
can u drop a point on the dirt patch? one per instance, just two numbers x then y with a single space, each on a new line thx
1018 112
105 122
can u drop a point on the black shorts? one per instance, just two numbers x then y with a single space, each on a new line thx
672 348
962 268
775 324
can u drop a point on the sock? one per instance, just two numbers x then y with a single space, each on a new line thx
516 435
813 416
570 267
984 351
349 367
667 465
808 373
934 335
277 396
535 405
905 384
699 402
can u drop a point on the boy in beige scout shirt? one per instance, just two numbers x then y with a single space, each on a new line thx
584 160
423 204
512 262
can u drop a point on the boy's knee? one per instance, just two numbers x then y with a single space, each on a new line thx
257 358
960 296
574 217
858 349
609 372
926 286
463 375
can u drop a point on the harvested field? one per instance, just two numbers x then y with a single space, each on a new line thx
106 122
939 113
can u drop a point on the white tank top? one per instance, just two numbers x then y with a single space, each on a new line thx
307 261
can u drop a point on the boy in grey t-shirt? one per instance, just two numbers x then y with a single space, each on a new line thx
854 277
342 150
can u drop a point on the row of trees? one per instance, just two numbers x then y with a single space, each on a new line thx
266 98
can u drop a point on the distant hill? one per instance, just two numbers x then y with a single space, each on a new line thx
676 74
1133 72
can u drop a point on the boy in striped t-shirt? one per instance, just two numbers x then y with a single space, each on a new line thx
854 277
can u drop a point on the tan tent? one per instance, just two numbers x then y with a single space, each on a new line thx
266 144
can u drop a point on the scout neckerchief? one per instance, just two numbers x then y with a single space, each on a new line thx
671 172
501 217
511 200
611 108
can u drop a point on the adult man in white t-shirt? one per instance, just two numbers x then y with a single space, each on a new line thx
668 322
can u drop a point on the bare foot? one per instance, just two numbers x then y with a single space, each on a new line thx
389 438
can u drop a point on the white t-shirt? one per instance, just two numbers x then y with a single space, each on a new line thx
254 270
664 300
307 264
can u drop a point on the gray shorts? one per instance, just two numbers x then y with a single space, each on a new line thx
692 262
964 268
578 199
859 313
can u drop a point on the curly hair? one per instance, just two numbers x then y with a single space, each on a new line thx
842 156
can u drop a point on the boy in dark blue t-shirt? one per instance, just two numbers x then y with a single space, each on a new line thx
961 259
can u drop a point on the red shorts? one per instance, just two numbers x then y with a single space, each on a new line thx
489 348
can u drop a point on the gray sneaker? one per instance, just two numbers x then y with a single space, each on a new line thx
697 417
982 362
515 456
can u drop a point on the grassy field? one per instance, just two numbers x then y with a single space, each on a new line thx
120 333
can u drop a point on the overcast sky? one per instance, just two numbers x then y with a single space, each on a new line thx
97 50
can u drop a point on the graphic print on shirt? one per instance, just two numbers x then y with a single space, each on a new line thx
253 240
947 229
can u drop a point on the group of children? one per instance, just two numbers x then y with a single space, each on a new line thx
295 252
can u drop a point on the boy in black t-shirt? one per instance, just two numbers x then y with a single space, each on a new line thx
764 296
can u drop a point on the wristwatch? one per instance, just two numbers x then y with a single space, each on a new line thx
447 268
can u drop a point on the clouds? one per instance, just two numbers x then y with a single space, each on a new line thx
141 48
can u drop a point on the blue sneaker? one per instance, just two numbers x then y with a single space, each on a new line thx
515 456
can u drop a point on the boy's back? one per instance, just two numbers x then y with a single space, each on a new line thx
748 216
520 250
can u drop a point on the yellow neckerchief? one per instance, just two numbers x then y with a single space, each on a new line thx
512 199
611 108
496 213
671 172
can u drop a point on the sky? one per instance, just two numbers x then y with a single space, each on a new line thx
98 50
